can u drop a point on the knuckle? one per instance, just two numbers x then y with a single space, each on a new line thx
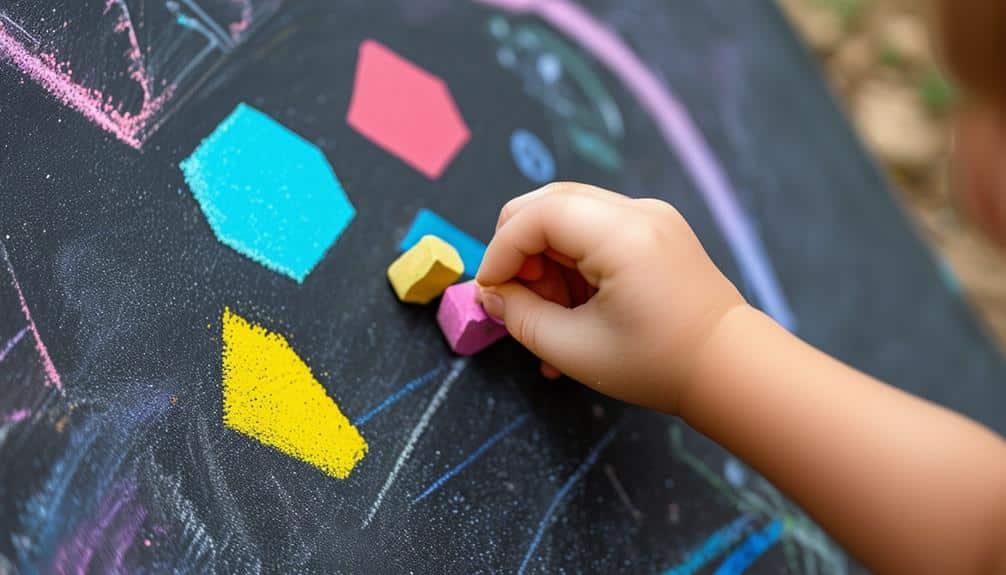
560 188
506 211
645 235
660 210
528 329
661 223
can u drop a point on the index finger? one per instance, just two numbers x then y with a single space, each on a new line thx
517 204
573 225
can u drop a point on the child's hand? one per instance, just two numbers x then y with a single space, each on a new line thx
615 292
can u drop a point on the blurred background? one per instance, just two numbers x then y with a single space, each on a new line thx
882 61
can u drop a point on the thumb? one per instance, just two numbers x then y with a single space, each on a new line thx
556 334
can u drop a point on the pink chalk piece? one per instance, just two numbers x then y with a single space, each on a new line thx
405 110
465 324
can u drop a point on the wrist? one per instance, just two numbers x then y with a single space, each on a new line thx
741 323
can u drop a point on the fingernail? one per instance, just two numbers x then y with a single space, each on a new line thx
493 304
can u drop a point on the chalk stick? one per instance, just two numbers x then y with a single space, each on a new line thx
425 270
465 324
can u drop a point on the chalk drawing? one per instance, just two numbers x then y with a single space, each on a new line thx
578 105
100 543
532 157
52 377
268 193
679 132
162 61
17 416
712 547
394 397
85 474
192 534
499 435
218 32
49 72
806 545
270 394
582 470
753 547
734 472
623 495
410 444
11 343
407 111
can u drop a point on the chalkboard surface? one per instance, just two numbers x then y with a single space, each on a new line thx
115 456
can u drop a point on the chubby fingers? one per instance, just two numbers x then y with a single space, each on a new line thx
572 225
567 340
556 188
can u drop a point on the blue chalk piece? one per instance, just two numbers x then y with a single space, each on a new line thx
268 193
532 157
429 223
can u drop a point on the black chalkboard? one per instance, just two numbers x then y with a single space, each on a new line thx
112 285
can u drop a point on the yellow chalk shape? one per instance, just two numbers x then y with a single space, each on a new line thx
271 395
425 270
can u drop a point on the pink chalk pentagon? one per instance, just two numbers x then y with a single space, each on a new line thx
405 110
465 324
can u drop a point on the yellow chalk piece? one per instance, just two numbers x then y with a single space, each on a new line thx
271 395
425 270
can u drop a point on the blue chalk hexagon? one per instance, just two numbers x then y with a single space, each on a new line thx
268 193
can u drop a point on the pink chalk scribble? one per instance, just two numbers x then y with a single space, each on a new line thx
155 58
51 374
100 543
238 27
137 68
57 78
17 416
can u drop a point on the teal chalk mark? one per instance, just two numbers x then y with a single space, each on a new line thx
713 546
753 547
268 193
429 223
595 148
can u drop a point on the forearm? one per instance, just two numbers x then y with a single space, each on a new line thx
903 484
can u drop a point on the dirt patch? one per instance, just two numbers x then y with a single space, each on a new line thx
880 60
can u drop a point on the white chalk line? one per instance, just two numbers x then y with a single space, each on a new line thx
424 421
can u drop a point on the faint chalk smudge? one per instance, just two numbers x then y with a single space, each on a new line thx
582 470
17 416
623 495
11 343
100 543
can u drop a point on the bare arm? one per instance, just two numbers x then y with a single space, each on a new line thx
905 485
619 294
